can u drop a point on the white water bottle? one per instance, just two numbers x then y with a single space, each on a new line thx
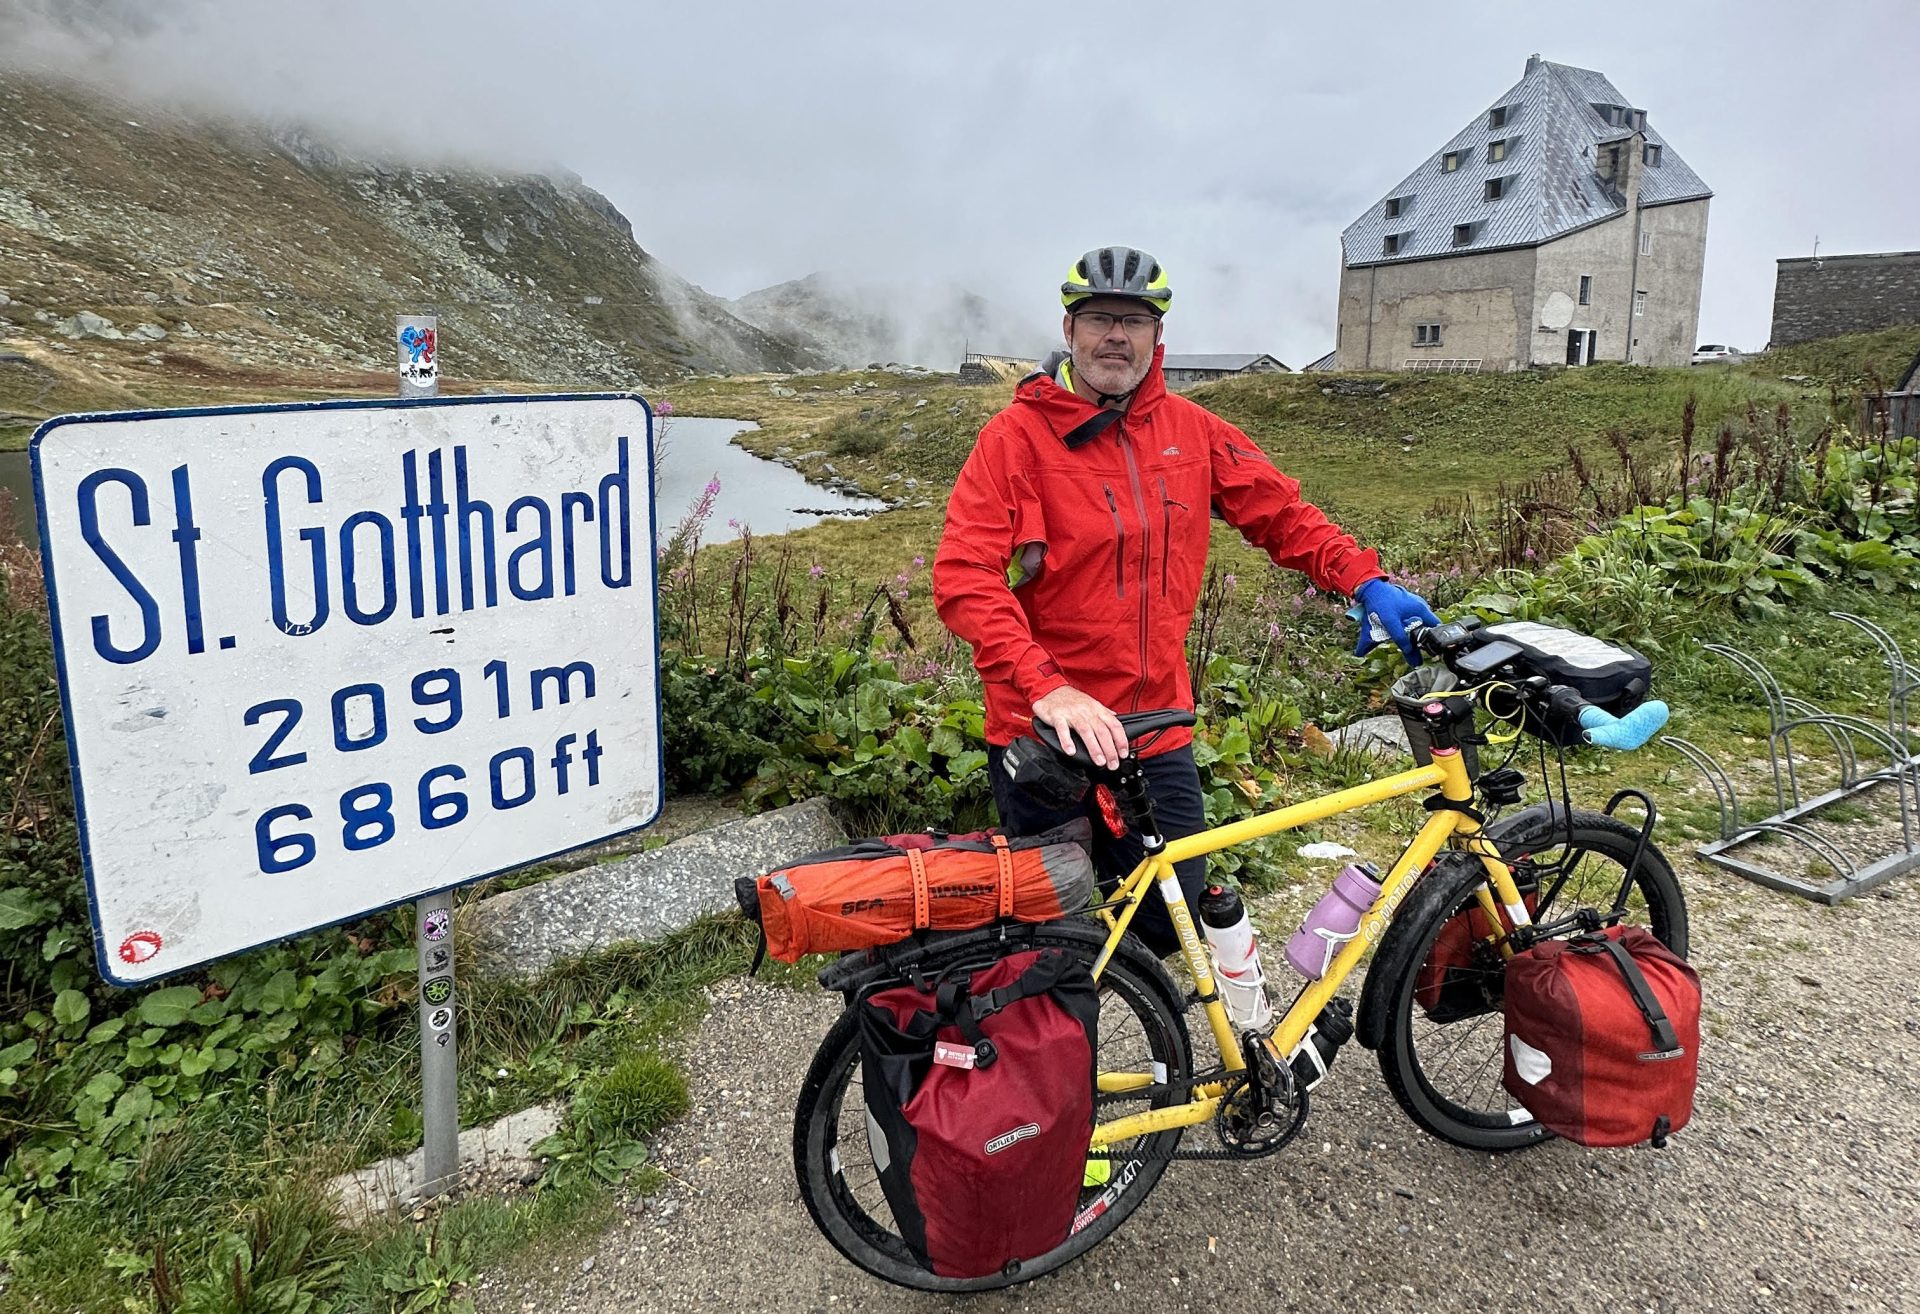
1235 950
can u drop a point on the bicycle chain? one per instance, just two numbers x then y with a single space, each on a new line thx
1175 1155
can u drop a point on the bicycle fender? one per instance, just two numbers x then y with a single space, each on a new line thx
1430 897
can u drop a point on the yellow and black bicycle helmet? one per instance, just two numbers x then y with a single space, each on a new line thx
1117 271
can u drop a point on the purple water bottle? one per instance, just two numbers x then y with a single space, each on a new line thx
1334 920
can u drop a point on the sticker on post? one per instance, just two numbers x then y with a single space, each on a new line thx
440 1019
437 922
438 990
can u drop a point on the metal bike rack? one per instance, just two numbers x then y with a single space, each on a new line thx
1851 738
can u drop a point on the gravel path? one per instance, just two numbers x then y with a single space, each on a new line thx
1795 1188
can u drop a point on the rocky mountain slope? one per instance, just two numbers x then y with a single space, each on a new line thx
199 245
861 324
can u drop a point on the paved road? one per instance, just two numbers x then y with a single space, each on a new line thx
1796 1188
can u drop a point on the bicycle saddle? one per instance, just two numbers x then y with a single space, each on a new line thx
1136 724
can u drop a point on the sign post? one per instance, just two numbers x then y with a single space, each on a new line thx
417 339
325 659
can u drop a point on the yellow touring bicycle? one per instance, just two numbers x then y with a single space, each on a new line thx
1534 872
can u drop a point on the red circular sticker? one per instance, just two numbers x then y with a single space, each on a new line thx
140 946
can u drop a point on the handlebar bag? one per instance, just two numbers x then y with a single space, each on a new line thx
979 1096
879 891
1608 675
1602 1039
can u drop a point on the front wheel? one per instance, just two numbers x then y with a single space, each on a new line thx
1443 1058
1141 1031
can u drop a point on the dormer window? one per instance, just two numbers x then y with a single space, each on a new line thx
1497 117
1651 155
1463 234
1639 120
1497 187
1452 160
1394 243
1398 205
1496 151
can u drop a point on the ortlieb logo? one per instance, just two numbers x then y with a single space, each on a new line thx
1662 1055
1013 1137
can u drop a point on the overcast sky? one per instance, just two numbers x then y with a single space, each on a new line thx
755 142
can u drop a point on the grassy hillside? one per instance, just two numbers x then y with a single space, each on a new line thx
1383 456
262 259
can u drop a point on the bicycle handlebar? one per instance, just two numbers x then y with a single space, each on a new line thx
1600 727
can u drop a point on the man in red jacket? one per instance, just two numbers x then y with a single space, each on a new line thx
1076 542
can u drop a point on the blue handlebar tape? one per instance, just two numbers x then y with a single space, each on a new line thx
1624 733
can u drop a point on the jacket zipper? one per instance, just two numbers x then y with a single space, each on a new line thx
1146 551
1119 544
1167 504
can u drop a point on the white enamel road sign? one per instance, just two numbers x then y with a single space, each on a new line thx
322 659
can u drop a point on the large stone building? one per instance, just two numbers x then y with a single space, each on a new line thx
1824 296
1558 228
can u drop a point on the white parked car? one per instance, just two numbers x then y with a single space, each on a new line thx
1710 352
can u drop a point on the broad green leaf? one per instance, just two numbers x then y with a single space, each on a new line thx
278 994
71 1007
21 908
168 1007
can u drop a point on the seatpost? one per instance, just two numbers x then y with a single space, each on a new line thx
1130 788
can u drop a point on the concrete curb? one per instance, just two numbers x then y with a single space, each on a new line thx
643 896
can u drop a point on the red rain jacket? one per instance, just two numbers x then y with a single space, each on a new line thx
1119 508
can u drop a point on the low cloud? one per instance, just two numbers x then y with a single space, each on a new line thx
754 142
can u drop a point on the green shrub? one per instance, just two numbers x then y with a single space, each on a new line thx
635 1098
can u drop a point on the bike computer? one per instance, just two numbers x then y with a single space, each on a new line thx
1486 658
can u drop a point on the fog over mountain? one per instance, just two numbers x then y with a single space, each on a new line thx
754 143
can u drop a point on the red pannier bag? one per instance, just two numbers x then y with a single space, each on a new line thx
1603 1037
1451 985
979 1094
879 891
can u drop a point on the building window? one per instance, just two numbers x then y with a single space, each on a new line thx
1646 241
1497 117
1497 188
1639 304
1426 335
1452 160
1397 206
1392 243
1586 290
1496 151
1651 155
1463 233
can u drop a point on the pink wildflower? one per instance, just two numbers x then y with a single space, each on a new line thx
816 570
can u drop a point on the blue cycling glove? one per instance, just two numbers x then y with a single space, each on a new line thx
1394 608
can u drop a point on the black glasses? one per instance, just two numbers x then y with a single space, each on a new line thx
1100 321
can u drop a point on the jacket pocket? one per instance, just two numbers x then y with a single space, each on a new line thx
1119 543
1168 505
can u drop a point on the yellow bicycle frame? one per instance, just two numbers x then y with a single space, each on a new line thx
1446 825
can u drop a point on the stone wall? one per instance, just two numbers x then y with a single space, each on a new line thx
1480 302
1824 296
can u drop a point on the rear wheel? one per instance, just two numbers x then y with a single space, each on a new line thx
1443 1061
1141 1030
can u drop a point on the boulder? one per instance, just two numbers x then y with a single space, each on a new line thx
86 324
642 897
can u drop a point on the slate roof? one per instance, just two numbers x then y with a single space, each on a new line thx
1230 363
1330 361
1553 133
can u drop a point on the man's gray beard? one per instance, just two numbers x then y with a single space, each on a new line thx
1083 360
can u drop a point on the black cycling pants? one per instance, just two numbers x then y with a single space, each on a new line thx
1173 783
